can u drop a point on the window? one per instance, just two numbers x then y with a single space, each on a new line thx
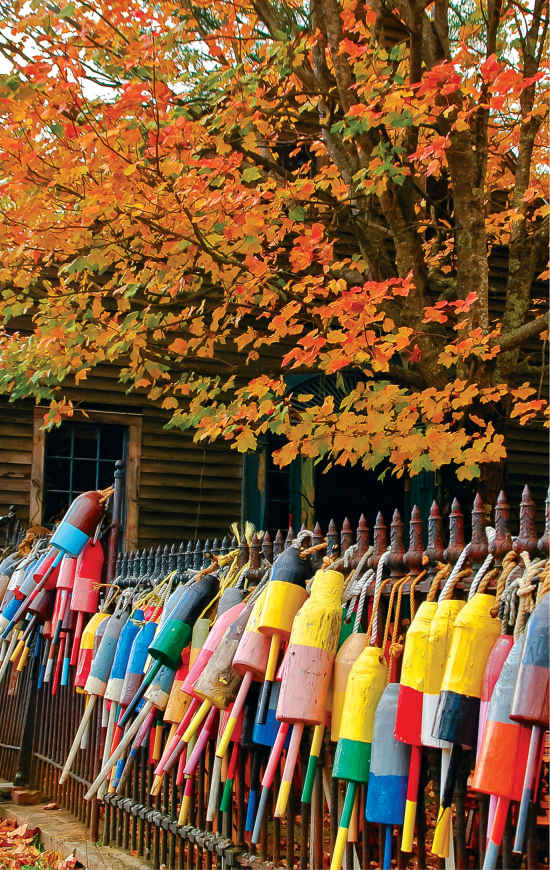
79 457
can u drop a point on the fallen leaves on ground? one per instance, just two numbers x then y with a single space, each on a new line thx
18 850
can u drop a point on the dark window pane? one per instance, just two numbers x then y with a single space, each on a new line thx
85 442
59 441
111 445
106 474
84 475
55 506
57 474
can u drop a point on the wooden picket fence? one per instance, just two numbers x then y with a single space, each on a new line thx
36 729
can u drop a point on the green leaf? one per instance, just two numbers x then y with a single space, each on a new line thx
251 173
68 11
297 213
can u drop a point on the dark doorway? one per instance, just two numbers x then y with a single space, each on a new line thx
349 492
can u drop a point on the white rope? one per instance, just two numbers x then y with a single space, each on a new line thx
485 565
301 536
349 555
367 580
355 583
379 571
451 578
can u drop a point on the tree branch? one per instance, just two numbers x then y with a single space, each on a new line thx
517 337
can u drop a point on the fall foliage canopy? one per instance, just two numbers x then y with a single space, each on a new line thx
217 194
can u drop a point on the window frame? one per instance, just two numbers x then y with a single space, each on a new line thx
133 422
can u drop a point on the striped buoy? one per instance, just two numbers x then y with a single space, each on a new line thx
366 682
389 770
503 753
284 596
309 659
85 595
474 635
530 702
250 661
408 720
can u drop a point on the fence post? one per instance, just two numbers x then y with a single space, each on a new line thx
116 522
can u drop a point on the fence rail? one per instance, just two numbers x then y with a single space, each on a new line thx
36 728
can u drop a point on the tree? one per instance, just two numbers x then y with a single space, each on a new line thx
217 194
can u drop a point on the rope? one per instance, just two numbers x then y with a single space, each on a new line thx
481 571
372 631
354 584
395 647
525 592
349 554
414 584
508 564
447 590
397 587
367 580
442 573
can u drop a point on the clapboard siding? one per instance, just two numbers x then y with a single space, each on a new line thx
527 462
15 457
185 488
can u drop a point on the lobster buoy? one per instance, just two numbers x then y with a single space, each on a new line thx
366 682
284 596
85 594
503 753
389 770
530 702
309 659
174 633
474 635
250 661
408 720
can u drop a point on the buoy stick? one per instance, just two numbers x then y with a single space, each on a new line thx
139 739
225 805
147 680
270 671
175 746
528 787
238 705
267 779
186 802
6 660
450 858
342 835
197 719
255 766
314 753
108 741
497 833
202 740
412 799
288 771
78 737
32 595
388 830
119 751
77 637
212 807
441 839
